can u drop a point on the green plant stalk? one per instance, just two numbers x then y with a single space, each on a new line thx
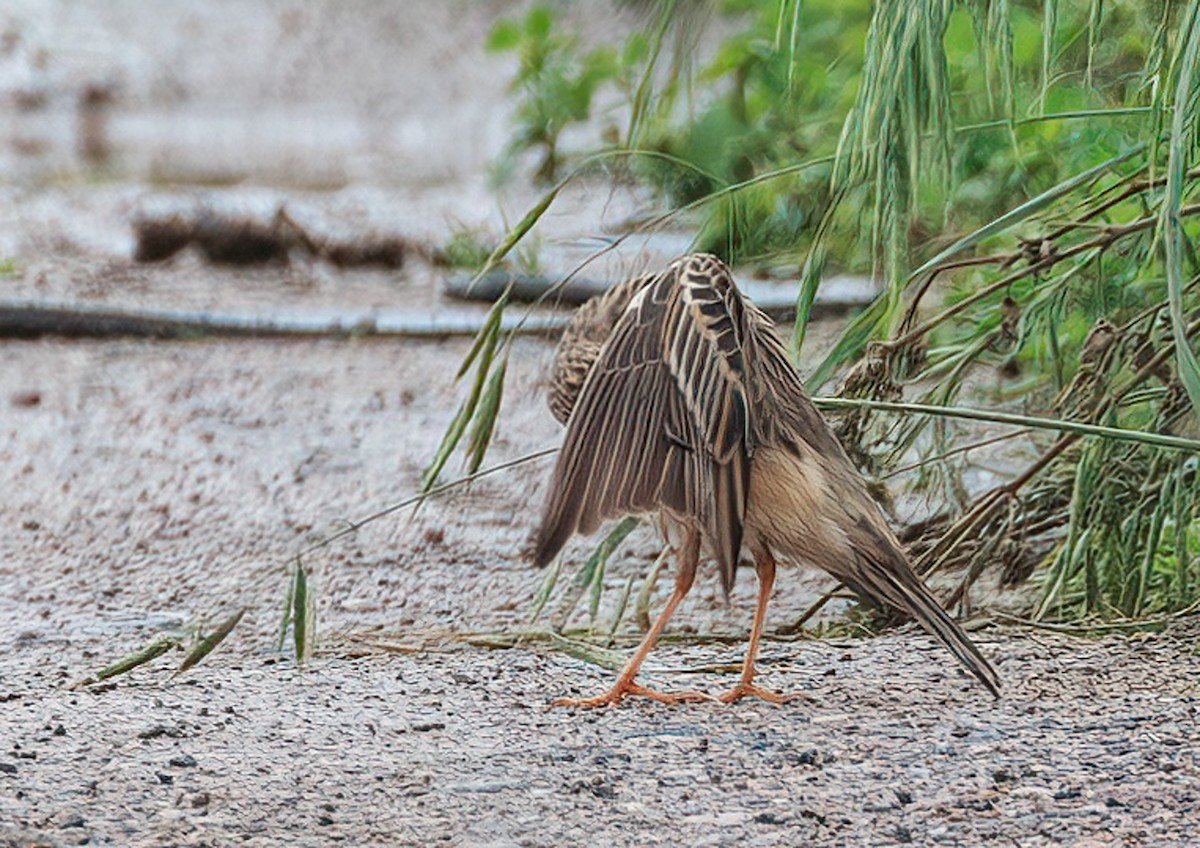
300 611
156 648
641 608
1181 140
586 577
547 589
1077 427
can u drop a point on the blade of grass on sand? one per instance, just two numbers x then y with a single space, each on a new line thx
206 645
300 613
156 648
286 619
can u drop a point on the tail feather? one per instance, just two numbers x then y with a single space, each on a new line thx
895 584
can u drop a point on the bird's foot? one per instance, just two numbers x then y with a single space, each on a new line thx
614 696
748 689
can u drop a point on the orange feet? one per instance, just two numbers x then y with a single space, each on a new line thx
622 688
747 689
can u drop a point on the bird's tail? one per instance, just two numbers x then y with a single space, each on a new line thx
894 582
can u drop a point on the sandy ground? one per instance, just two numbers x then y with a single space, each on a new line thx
150 488
159 485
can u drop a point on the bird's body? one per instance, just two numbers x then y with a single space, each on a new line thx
680 399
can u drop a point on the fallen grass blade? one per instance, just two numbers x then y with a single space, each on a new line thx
156 648
595 654
206 645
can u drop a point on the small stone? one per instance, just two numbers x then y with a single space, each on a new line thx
164 778
8 768
200 799
769 818
186 761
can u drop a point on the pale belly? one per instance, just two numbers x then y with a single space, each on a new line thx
788 512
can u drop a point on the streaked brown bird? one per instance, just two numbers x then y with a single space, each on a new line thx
680 399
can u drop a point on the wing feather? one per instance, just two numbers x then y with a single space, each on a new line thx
662 420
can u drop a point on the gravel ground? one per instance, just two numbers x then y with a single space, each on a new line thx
160 485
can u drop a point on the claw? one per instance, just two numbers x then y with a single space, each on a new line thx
743 690
615 695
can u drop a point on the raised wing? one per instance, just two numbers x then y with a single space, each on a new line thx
662 420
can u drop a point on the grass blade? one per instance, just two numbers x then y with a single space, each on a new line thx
286 619
587 575
466 410
547 589
301 607
156 648
995 417
485 418
641 609
1180 148
206 645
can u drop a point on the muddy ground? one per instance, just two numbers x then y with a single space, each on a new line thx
152 488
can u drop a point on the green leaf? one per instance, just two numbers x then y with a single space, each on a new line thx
301 607
505 35
206 645
1180 148
485 418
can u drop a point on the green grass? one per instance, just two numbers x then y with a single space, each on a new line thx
1022 179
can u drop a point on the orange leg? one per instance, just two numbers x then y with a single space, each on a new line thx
625 685
764 565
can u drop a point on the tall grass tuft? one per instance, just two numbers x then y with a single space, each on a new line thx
1022 179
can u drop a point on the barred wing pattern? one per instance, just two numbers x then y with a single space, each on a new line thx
662 420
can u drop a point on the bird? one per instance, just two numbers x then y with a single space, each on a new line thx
680 401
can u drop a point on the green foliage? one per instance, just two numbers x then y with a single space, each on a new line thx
1022 177
555 82
466 249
